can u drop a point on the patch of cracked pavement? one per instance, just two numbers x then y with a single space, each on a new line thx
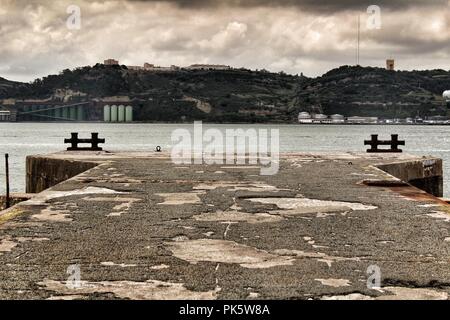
142 228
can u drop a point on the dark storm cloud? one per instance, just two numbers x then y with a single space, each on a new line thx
308 5
294 36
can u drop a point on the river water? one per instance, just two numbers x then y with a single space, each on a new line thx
22 139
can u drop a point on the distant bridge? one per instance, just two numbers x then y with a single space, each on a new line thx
76 112
52 112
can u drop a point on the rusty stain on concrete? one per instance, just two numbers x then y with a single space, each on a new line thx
415 194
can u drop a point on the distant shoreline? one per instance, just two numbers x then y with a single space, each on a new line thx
235 123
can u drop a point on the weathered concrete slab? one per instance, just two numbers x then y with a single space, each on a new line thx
141 227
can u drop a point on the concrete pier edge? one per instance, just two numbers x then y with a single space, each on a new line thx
44 172
140 227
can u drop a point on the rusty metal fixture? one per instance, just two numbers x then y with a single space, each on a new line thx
7 200
384 183
94 141
393 143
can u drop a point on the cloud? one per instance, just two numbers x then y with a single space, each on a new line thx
295 36
309 5
232 36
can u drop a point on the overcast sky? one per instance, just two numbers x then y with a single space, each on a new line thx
309 36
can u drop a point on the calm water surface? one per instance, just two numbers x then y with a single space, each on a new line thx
22 139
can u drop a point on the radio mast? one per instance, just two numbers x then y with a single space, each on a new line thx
358 41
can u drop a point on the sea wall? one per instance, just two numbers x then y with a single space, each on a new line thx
43 173
426 174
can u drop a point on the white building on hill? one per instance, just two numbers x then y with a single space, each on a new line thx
304 117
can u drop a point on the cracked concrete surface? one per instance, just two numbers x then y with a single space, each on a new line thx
143 290
196 251
180 198
294 206
396 293
139 228
334 282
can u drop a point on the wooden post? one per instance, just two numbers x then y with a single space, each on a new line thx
7 204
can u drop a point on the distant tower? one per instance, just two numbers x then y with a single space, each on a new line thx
390 64
111 62
358 40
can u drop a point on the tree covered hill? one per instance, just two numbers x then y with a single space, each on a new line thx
10 88
376 92
242 95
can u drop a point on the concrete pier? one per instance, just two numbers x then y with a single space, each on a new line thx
137 226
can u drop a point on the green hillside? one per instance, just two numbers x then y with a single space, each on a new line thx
242 95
